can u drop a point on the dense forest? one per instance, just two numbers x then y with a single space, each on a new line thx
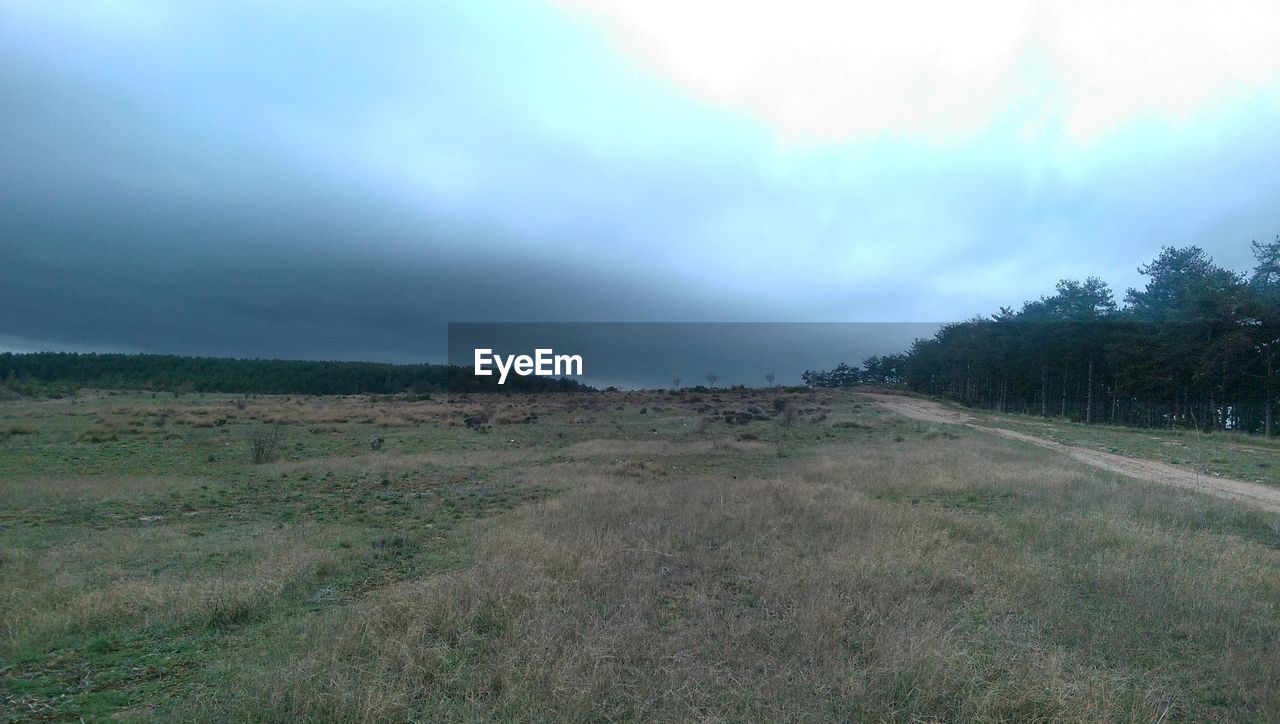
1193 348
44 372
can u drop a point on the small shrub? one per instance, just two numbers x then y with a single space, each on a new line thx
263 443
787 417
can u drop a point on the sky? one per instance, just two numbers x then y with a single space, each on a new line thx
340 180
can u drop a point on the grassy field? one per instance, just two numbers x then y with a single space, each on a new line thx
726 556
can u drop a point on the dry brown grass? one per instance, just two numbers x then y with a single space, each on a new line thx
375 464
951 579
100 584
21 492
852 566
611 448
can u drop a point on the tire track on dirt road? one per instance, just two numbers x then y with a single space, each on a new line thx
1261 496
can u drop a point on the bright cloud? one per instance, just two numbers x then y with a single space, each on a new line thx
834 71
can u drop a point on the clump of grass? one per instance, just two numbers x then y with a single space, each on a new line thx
850 425
106 432
512 416
639 468
16 430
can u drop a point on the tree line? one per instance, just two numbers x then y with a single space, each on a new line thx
39 372
1195 347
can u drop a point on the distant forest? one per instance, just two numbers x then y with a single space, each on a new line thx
44 372
1195 348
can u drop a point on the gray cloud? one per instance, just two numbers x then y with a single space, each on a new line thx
231 179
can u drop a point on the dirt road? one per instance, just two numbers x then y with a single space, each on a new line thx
1261 496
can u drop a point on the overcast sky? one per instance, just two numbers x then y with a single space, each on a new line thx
339 180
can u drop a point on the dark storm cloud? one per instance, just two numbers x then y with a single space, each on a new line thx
135 224
124 282
276 180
